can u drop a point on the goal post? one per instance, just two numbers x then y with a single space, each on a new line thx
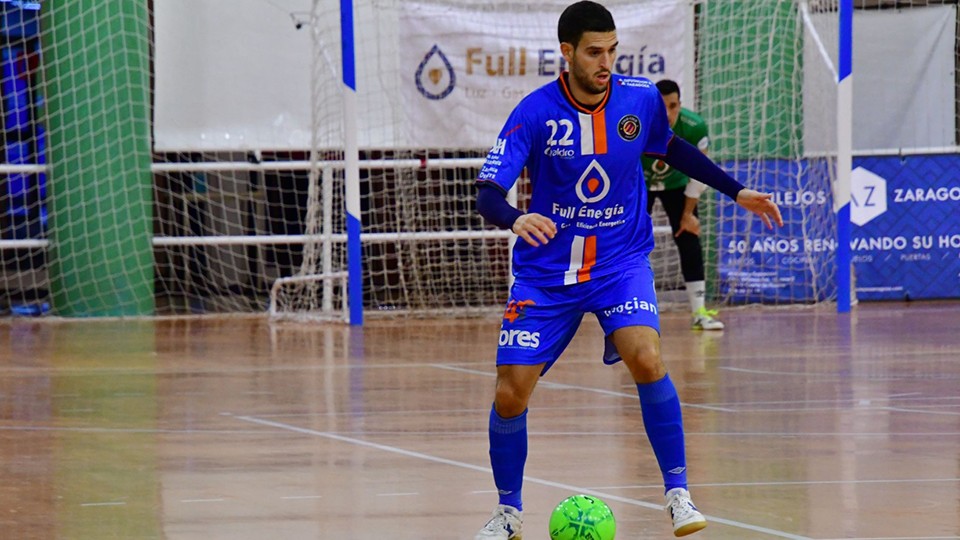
351 164
845 292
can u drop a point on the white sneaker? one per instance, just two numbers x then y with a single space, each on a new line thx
506 523
703 319
686 518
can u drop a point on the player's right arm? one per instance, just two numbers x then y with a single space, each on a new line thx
535 229
505 162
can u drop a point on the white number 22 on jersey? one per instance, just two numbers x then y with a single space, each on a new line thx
567 126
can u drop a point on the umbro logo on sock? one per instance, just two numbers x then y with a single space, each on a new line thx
677 470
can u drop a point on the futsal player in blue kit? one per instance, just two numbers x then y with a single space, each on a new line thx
586 241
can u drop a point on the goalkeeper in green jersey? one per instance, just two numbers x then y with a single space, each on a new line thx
679 194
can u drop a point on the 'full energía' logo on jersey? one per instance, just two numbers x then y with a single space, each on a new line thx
594 184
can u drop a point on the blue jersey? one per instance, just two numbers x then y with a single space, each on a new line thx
585 174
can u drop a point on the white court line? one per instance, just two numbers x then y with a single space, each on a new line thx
723 405
772 372
918 411
828 376
128 430
104 504
793 483
402 494
778 434
530 479
300 497
898 538
912 396
201 500
561 386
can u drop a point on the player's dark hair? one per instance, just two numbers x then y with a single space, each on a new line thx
585 16
667 87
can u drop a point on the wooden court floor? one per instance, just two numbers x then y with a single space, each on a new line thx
801 424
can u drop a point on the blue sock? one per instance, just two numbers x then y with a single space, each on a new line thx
508 454
660 406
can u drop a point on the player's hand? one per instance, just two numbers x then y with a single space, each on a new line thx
762 205
689 223
535 229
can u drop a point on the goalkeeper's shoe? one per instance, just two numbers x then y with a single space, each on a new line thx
686 518
506 523
703 319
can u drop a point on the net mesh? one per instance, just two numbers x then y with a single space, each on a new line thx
755 89
104 212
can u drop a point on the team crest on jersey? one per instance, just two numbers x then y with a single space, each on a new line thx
594 184
629 127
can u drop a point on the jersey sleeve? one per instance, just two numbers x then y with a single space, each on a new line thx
658 128
508 156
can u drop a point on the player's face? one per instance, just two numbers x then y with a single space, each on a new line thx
672 101
591 62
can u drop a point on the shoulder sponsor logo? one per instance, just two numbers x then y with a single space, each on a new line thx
441 79
634 83
629 127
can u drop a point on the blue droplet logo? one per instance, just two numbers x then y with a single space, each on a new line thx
434 64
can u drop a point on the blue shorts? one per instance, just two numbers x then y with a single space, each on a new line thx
539 322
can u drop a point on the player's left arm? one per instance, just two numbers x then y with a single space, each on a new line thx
689 160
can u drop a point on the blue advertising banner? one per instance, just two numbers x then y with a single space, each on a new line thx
905 239
906 227
789 264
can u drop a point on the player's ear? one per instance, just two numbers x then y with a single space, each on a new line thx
566 49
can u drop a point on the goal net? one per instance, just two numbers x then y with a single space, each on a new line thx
151 168
236 203
424 249
452 71
742 64
767 85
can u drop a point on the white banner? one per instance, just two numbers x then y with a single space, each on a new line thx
463 71
231 75
903 80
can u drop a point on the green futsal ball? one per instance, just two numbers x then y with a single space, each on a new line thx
582 517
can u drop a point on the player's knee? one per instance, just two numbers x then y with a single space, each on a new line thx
645 363
510 401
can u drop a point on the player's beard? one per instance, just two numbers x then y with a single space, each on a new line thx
586 82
